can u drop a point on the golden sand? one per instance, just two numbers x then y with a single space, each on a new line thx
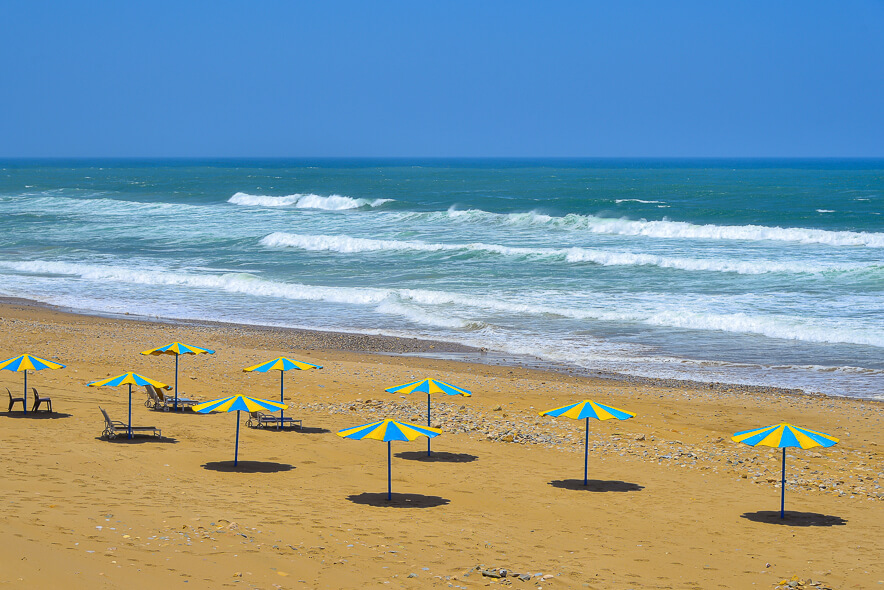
673 503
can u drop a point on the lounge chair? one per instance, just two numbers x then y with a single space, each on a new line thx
41 400
114 428
15 400
153 402
154 399
169 402
260 420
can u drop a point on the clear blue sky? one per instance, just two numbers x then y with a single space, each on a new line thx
472 78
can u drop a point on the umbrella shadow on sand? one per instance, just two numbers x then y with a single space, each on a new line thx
792 518
31 415
137 440
312 430
248 466
437 457
399 500
596 485
295 429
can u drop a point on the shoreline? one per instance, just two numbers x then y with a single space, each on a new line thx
426 348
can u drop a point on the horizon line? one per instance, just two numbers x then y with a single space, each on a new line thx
156 157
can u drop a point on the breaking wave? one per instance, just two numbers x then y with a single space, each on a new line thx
447 309
659 229
350 245
306 201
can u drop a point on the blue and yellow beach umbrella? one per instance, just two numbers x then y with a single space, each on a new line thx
389 430
129 379
784 435
25 363
584 411
177 348
282 364
429 386
238 403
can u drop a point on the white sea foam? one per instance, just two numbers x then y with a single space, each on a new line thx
636 201
103 205
305 201
659 229
424 318
349 245
244 283
344 244
825 210
464 309
670 315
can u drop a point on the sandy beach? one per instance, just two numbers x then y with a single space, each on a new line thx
672 501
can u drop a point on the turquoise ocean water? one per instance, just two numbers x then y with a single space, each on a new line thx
761 271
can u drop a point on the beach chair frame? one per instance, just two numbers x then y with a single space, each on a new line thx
262 420
115 428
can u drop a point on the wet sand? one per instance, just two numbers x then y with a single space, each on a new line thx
672 502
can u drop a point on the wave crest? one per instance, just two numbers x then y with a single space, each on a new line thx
446 309
665 228
305 201
351 245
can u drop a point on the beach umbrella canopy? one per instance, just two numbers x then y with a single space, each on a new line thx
177 348
238 403
389 430
429 386
25 363
584 411
783 436
129 379
281 364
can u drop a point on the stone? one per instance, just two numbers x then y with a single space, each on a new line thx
491 574
525 577
412 575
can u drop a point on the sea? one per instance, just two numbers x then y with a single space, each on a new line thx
762 272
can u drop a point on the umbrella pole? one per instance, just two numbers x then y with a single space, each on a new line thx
428 424
130 411
236 448
281 398
389 472
26 391
176 382
586 455
783 489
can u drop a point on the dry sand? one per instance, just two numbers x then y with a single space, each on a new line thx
673 503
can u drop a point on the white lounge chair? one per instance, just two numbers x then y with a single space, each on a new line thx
153 401
260 420
165 402
114 428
